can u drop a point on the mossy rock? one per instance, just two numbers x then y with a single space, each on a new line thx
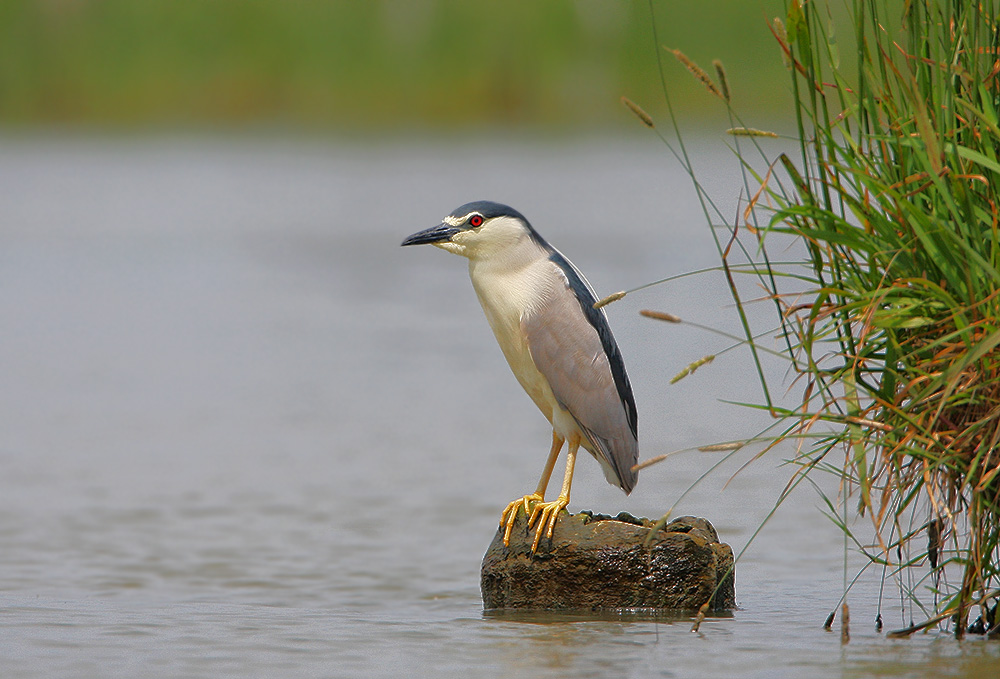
596 562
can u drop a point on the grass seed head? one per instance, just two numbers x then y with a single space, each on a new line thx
613 297
692 367
697 72
750 132
782 35
720 72
720 447
660 316
640 114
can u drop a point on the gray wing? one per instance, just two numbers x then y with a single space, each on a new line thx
568 350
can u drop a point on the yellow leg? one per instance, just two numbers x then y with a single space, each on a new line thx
547 512
510 513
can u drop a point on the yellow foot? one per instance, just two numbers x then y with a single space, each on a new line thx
510 514
546 513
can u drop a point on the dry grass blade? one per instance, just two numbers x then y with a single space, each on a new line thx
700 618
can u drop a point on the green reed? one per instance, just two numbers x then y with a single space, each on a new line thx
890 324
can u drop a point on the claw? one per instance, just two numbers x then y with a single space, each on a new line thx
546 513
509 515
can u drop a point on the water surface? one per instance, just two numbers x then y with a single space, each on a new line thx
243 433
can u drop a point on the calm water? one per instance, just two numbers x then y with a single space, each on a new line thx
244 434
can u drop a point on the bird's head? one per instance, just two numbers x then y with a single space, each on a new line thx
477 230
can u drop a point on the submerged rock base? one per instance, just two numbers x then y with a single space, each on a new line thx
596 562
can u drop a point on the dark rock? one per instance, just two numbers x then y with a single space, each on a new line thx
596 562
990 626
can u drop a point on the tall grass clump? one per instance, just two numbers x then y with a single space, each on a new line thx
891 323
895 330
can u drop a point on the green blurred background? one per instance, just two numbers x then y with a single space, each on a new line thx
374 64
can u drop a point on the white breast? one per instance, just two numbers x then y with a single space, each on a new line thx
507 291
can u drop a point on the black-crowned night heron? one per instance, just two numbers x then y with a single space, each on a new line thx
558 345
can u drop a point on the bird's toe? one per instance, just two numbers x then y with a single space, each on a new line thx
509 515
546 514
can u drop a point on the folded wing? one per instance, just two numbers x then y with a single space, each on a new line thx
576 353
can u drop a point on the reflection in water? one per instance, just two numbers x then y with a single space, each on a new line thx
243 434
623 615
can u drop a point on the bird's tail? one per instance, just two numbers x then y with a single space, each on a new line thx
618 459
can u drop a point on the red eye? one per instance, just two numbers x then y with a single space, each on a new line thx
476 220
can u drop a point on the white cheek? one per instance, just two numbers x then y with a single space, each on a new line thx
463 237
504 231
465 242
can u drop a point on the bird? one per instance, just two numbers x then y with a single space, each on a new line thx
558 345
